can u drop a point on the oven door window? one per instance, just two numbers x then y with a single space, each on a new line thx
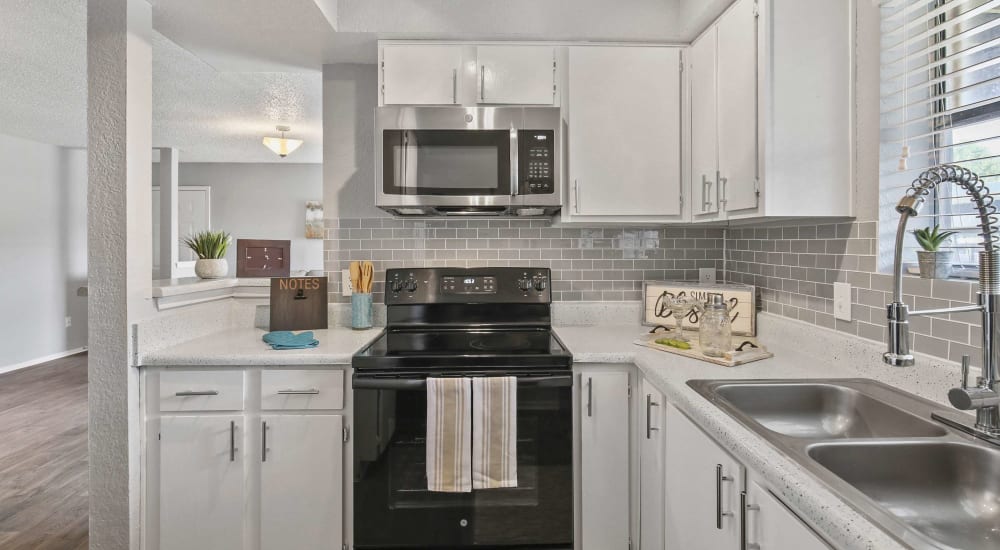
446 162
394 509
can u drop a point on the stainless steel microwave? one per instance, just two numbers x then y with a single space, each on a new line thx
456 161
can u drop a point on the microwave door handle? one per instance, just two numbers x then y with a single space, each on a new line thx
406 147
514 181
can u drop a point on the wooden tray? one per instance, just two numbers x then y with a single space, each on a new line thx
748 355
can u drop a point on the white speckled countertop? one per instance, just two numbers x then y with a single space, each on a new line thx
801 351
244 346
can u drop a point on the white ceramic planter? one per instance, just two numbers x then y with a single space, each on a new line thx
211 269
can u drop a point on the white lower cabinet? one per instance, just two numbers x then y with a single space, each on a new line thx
772 526
703 485
301 481
243 478
604 461
714 503
651 468
201 487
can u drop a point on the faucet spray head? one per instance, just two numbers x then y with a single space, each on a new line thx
910 205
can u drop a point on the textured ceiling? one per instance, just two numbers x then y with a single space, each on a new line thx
214 116
225 72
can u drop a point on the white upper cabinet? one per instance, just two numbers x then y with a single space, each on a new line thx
704 125
623 134
781 122
416 74
737 111
518 75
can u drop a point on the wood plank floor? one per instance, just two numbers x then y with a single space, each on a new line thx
43 456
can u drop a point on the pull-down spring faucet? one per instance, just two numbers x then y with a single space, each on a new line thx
982 397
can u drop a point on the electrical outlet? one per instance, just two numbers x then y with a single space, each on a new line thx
706 275
345 283
69 321
842 301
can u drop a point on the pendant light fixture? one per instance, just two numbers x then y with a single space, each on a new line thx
281 145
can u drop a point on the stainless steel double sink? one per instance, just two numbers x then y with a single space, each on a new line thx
927 485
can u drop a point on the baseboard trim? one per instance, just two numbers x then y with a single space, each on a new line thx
40 360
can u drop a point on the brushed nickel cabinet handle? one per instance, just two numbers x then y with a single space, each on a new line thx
706 186
232 441
649 416
311 391
723 187
719 514
744 508
576 196
482 82
454 86
193 393
590 397
263 441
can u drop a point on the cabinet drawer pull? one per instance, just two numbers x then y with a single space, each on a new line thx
311 391
719 514
649 416
232 441
706 186
193 393
263 441
590 397
744 508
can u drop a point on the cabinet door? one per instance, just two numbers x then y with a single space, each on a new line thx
737 86
604 450
301 491
651 482
421 75
201 483
703 486
516 74
624 131
771 525
704 126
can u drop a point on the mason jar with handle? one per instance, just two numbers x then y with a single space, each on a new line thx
715 333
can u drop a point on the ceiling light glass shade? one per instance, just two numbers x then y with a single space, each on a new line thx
282 146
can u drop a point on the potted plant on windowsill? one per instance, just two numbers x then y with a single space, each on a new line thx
211 247
934 263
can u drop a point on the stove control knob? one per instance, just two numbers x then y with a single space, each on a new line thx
411 285
524 284
541 284
396 285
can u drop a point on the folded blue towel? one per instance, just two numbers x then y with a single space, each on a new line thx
283 339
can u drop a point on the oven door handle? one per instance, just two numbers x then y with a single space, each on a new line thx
363 383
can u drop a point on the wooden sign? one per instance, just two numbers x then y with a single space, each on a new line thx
298 303
742 309
260 258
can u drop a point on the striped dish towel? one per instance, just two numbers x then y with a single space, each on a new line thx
494 425
449 435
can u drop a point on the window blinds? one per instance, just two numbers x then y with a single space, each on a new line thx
940 103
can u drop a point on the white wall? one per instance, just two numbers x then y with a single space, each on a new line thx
261 201
43 243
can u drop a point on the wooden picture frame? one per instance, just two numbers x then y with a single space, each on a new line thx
263 258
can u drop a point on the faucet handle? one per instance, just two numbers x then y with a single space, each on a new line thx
965 372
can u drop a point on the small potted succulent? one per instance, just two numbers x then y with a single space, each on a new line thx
934 263
211 247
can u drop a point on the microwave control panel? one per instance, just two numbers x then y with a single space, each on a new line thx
536 160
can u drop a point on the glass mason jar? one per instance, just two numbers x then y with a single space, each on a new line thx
715 333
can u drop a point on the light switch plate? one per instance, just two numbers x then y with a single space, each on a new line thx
842 301
345 283
706 275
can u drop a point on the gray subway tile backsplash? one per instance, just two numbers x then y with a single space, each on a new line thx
588 264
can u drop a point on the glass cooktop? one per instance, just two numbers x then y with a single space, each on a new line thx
468 348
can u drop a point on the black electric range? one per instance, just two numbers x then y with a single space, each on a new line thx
444 322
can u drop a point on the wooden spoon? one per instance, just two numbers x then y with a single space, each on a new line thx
356 276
